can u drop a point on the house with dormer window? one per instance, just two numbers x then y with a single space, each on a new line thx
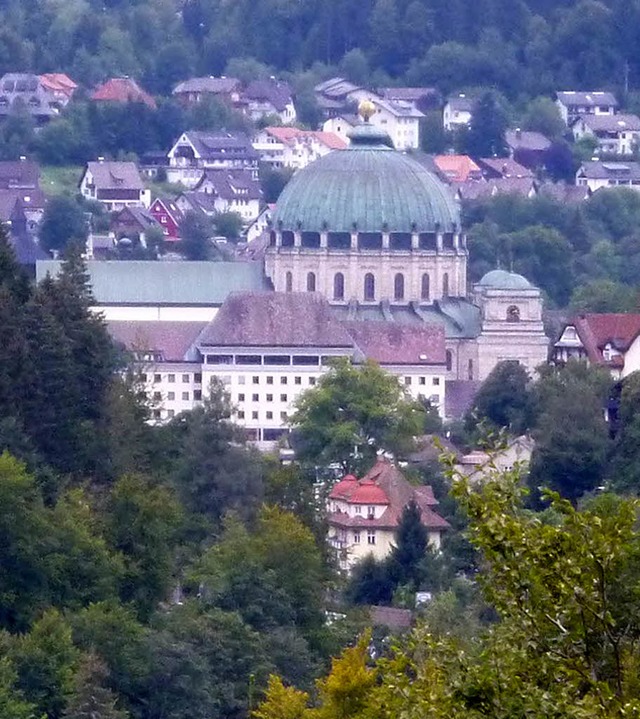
114 184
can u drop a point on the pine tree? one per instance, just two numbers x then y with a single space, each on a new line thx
411 547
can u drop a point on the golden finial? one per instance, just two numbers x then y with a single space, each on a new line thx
366 109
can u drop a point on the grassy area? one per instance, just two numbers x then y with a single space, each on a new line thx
60 180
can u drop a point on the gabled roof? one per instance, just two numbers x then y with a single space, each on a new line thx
562 192
408 94
200 201
19 174
289 136
122 89
109 175
276 319
586 98
176 284
213 85
58 82
457 168
604 170
231 184
398 493
610 123
461 103
169 207
222 145
598 330
399 108
495 167
396 344
140 215
527 140
336 87
275 92
170 339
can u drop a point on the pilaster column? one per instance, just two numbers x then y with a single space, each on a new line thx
385 240
324 240
297 239
439 241
415 241
354 240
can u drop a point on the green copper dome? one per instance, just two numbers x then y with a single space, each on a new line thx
368 187
503 280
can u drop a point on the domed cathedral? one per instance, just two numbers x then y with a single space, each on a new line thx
379 236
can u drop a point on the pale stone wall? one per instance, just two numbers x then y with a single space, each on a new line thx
355 264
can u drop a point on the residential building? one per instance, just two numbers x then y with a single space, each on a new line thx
196 89
133 223
527 147
122 90
337 95
260 225
169 216
474 190
233 191
24 92
457 168
341 125
423 99
458 112
364 514
616 134
61 86
196 151
115 184
564 193
495 168
607 340
480 464
573 104
596 174
400 120
266 98
21 179
294 148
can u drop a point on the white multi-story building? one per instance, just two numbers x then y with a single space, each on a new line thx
597 174
294 148
115 185
458 112
615 134
573 104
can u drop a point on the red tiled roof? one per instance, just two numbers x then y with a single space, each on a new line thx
123 89
368 492
58 82
172 339
598 330
391 483
288 135
344 487
457 168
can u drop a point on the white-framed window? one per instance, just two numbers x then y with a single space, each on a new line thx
371 536
356 536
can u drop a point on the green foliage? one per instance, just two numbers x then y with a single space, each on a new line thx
353 413
228 224
504 399
196 231
91 698
603 296
486 136
63 222
12 702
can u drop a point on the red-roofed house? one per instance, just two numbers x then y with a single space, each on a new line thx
169 216
363 515
458 168
295 148
122 89
61 86
609 340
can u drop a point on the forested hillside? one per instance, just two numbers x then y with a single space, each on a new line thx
524 47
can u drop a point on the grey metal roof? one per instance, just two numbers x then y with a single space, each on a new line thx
570 98
166 283
611 123
599 170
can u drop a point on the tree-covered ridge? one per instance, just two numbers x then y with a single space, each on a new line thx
523 47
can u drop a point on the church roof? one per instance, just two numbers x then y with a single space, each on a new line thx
503 280
367 187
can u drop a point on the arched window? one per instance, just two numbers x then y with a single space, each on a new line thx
513 314
338 286
445 284
425 291
288 282
470 369
311 281
398 286
369 287
449 360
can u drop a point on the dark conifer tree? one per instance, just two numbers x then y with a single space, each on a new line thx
410 549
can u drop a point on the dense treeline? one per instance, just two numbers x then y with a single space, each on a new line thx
146 571
585 256
522 47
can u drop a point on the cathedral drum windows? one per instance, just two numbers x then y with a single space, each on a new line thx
369 287
338 286
311 281
398 286
425 293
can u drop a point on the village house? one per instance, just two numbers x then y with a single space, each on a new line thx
480 464
494 168
616 134
168 216
474 190
133 223
401 120
61 86
527 147
458 112
341 125
423 99
337 96
596 174
457 168
197 151
573 104
21 179
115 184
266 98
24 92
232 191
294 148
364 514
196 89
607 340
122 90
260 225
